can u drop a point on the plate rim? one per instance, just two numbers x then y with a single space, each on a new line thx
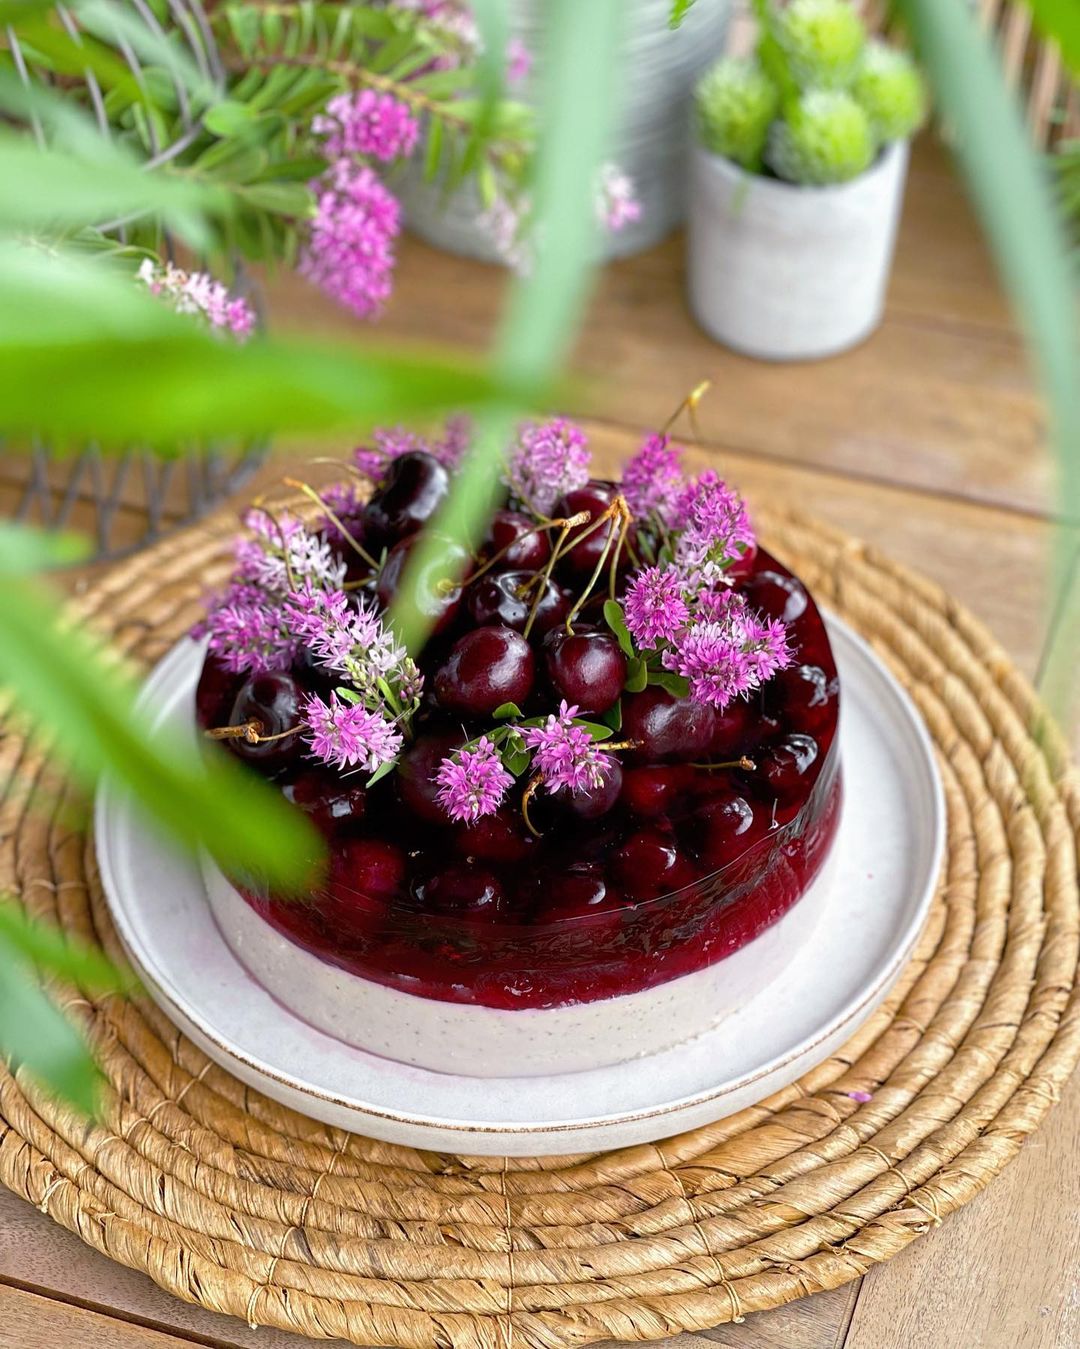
109 798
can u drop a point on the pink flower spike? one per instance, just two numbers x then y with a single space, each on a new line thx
653 479
549 460
349 251
616 203
367 123
734 651
565 754
655 608
715 527
472 782
345 735
518 61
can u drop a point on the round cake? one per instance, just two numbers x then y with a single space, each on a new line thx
575 828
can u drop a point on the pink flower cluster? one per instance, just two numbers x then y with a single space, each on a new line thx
349 252
348 735
197 293
616 204
390 442
715 529
367 123
472 782
653 482
565 754
550 459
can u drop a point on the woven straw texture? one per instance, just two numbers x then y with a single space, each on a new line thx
228 1200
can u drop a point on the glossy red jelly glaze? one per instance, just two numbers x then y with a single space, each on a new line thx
682 867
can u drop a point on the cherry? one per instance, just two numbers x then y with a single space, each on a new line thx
666 726
783 767
653 790
525 551
416 772
587 668
581 894
499 599
272 703
331 802
215 694
723 829
804 695
437 590
500 837
591 805
649 865
595 497
365 874
486 668
777 595
734 729
465 890
411 492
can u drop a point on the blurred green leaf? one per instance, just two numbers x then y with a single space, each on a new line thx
229 118
1011 188
60 678
24 549
51 950
57 188
116 23
34 1032
1060 20
679 10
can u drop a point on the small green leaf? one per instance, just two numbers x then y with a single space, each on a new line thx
516 759
291 199
380 773
24 549
637 675
673 683
506 711
229 118
613 716
595 729
679 11
616 621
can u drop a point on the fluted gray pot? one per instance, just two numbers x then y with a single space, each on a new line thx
786 272
660 68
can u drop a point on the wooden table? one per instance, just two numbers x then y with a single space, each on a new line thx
927 440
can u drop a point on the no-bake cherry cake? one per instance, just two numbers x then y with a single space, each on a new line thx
550 835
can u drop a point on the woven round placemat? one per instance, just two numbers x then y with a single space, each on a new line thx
227 1199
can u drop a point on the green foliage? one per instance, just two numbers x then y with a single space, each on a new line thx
736 104
890 90
679 10
1059 20
822 40
816 103
825 138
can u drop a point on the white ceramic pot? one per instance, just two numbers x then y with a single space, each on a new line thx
786 272
661 68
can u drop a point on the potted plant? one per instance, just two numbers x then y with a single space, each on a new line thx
797 176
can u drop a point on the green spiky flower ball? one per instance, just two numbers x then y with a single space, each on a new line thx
827 138
736 103
823 40
891 92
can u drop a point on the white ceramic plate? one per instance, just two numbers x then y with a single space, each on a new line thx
887 855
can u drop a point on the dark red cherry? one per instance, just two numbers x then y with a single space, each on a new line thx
581 894
272 703
416 770
654 789
215 694
723 829
411 492
525 550
437 592
500 837
649 864
783 767
500 599
735 729
460 889
486 668
595 497
586 668
598 801
332 802
776 595
666 726
803 697
365 875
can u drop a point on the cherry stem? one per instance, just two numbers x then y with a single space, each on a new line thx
353 543
497 557
745 763
541 578
689 405
618 513
526 796
250 732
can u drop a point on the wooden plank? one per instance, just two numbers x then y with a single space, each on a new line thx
28 1321
1001 1273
